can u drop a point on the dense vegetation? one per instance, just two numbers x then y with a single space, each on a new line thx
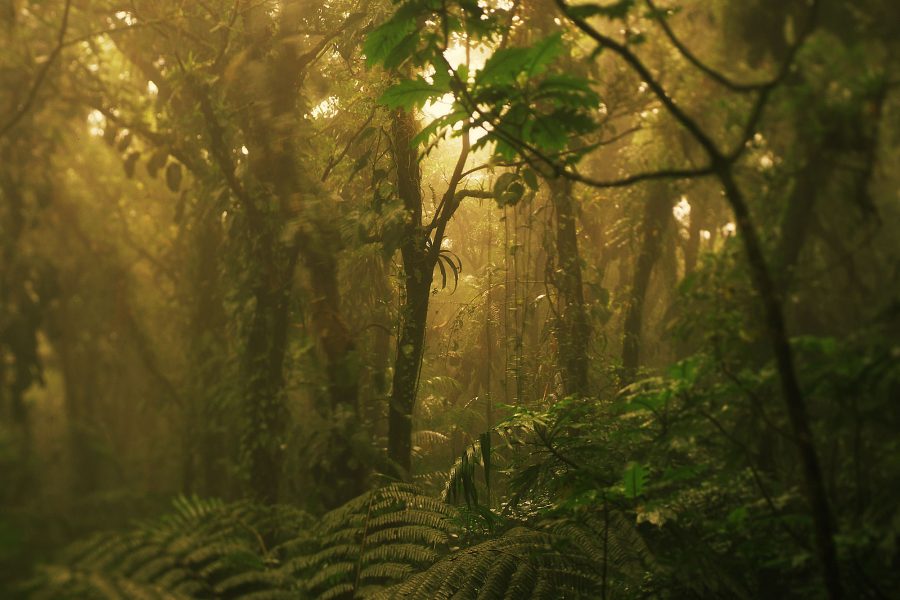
449 298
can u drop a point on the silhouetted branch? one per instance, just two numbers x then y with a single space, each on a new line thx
42 74
640 177
689 56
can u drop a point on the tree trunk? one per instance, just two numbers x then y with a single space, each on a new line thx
203 470
372 405
573 327
657 215
823 521
418 272
18 327
273 128
81 388
692 244
797 218
264 404
410 348
344 475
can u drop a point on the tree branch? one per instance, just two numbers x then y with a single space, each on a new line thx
42 74
640 177
335 161
689 56
647 77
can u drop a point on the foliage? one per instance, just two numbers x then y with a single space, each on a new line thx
515 96
219 227
392 542
209 549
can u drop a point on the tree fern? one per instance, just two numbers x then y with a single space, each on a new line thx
461 483
208 549
390 542
204 549
552 559
372 541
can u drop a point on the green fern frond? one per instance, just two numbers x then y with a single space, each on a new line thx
461 484
554 559
425 437
203 549
374 541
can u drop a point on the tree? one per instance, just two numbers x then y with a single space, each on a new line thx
517 131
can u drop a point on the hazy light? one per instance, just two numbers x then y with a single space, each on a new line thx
96 121
326 108
126 17
457 55
152 88
682 211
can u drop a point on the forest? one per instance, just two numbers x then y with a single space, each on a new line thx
494 299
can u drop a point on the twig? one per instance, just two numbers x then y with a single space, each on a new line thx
42 74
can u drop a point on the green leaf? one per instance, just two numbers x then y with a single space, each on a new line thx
411 93
503 182
402 51
548 133
567 90
123 144
485 440
543 53
157 161
530 178
512 195
438 127
738 516
381 42
130 163
173 176
634 479
505 66
361 162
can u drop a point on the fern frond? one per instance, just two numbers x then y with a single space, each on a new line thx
374 541
209 549
554 559
203 549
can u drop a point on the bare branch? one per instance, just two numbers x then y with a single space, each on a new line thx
336 160
638 66
461 194
641 177
689 56
42 74
449 202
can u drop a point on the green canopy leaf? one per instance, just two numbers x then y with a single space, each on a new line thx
634 478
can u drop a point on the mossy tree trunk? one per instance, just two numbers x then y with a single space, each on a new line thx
573 326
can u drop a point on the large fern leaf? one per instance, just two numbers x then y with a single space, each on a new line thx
374 541
553 559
